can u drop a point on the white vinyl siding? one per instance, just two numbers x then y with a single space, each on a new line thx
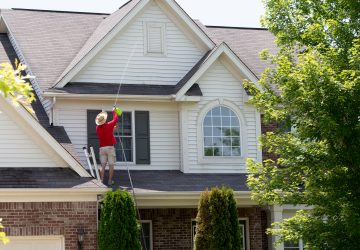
219 86
21 148
123 59
164 129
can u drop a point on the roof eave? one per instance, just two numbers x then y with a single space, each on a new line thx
190 199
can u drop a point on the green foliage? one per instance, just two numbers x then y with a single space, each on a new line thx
3 237
217 225
314 86
118 229
13 84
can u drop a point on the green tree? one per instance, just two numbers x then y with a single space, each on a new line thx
118 229
314 86
3 237
14 86
217 224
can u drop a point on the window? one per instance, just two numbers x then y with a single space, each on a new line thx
146 235
288 245
193 232
243 230
124 132
221 129
155 38
133 129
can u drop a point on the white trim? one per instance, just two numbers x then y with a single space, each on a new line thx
243 134
183 135
120 25
28 119
156 199
189 22
246 219
151 232
50 194
223 49
109 97
258 134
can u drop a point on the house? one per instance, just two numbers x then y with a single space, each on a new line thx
187 124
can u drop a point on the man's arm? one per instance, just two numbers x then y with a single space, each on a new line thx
114 120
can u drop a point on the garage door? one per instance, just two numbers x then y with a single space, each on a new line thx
34 243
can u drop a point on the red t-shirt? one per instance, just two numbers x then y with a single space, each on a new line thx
105 132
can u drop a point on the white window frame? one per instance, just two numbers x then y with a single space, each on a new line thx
147 26
151 232
119 163
247 240
192 234
202 159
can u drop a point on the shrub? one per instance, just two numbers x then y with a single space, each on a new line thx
118 229
217 221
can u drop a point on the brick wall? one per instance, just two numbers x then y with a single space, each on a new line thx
52 218
267 127
172 227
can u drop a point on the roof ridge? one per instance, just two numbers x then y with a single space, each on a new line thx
62 11
234 27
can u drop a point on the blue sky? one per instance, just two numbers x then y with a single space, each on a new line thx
242 13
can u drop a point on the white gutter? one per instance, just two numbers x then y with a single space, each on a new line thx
154 199
107 97
51 194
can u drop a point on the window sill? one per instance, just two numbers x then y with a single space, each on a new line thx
221 160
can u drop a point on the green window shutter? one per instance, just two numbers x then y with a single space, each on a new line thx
92 139
142 137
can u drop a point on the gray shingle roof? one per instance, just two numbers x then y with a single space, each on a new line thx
50 40
247 43
112 89
125 89
7 54
54 42
44 178
171 181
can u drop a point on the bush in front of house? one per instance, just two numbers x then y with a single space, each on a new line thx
217 225
118 228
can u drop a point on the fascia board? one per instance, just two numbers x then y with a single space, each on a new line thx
101 44
183 199
108 97
222 49
51 194
208 62
36 127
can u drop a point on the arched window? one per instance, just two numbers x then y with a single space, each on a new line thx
221 128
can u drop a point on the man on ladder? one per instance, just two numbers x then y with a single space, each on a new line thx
105 133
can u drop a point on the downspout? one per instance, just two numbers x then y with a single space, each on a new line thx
100 199
51 120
